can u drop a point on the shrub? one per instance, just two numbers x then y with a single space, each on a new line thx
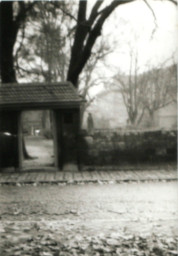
131 146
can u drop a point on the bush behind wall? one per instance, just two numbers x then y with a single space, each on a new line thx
114 148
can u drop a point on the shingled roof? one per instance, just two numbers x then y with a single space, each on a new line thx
39 94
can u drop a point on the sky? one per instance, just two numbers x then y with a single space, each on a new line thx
134 23
133 26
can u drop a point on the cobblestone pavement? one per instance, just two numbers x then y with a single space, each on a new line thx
89 219
51 176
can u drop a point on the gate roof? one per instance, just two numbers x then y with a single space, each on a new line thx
38 95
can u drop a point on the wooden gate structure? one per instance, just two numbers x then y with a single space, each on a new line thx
62 99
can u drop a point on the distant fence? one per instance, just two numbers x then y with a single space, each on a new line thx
108 147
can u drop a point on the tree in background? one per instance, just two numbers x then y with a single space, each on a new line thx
148 91
131 88
160 88
143 91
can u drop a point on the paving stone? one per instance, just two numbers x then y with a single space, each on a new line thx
22 177
8 177
30 177
3 178
86 175
14 177
59 176
129 175
50 176
41 177
78 176
26 178
96 175
138 174
68 176
105 175
120 175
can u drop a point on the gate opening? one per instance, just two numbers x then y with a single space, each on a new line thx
38 139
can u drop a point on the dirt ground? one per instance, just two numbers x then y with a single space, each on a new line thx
41 149
90 219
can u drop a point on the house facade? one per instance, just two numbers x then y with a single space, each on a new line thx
166 117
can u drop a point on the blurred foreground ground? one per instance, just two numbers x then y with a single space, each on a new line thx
90 219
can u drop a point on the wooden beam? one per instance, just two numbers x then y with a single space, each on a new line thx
20 136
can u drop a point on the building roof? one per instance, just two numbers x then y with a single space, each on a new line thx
38 95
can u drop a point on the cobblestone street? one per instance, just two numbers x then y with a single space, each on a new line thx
127 174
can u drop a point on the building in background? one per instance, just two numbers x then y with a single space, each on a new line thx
166 117
109 112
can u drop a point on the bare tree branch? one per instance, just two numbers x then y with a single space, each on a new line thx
82 46
154 16
94 12
173 1
67 13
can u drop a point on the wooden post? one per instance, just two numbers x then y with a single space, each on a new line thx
9 125
20 137
70 131
55 141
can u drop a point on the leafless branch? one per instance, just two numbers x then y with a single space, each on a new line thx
173 1
94 12
67 13
154 16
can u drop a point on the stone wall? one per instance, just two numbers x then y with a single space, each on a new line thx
113 148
